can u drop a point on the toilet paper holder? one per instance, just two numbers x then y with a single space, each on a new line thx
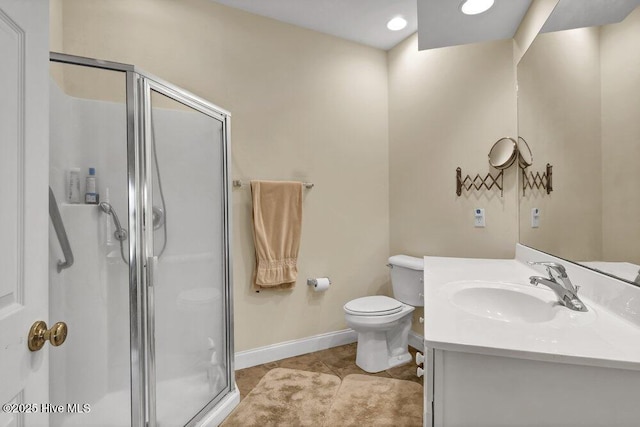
314 282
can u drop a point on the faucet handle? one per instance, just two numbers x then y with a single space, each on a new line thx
559 268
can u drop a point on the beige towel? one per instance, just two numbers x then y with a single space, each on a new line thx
277 221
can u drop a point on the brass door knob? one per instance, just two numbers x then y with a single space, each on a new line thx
39 334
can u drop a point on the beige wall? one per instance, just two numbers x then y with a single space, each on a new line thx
55 36
56 25
559 116
446 109
305 106
620 62
379 134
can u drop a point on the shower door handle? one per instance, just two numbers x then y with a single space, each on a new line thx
152 263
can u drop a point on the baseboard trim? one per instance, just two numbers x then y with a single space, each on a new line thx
279 351
271 353
416 341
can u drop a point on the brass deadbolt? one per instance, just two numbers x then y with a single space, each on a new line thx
39 334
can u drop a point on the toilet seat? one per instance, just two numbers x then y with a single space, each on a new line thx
377 305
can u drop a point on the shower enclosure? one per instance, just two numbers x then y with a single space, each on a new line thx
147 294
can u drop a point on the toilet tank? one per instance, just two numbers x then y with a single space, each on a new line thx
407 279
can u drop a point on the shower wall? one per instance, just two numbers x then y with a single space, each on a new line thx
93 295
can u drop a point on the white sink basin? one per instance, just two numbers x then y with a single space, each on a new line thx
504 302
488 306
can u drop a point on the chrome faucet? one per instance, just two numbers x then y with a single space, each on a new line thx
558 281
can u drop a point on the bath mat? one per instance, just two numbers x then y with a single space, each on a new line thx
364 400
286 397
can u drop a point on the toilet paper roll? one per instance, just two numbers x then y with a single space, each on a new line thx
320 284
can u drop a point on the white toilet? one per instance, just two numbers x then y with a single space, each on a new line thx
383 323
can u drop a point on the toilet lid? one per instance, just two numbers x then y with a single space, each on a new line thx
377 305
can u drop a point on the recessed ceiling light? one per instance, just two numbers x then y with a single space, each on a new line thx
397 23
474 7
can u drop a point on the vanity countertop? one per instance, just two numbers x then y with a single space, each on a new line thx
598 337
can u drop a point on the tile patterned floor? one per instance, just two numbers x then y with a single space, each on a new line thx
340 361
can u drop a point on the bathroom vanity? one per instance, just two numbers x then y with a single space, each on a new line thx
503 352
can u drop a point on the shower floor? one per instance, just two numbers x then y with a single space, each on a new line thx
178 400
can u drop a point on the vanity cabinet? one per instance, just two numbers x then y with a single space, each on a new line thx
467 389
501 352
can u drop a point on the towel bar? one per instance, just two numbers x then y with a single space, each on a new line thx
238 183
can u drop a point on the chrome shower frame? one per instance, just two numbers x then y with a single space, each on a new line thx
139 85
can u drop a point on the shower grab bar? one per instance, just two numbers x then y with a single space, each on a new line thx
58 225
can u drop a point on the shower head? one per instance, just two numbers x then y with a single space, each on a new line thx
120 233
106 207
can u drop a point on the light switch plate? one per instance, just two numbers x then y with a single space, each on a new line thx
535 217
478 217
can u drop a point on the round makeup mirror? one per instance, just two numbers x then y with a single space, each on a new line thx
525 157
503 153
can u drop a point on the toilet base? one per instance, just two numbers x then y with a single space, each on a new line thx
402 359
373 356
382 340
383 349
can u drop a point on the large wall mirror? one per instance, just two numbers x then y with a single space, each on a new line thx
579 110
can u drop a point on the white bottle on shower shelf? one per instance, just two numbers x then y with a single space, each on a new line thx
91 194
73 186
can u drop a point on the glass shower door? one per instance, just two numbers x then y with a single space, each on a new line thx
90 373
185 217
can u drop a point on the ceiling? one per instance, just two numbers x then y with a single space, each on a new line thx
441 22
570 14
362 21
365 21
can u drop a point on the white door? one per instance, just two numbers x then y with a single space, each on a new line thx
24 220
